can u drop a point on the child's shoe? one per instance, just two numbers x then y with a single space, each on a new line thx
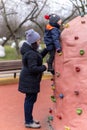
59 51
50 69
52 72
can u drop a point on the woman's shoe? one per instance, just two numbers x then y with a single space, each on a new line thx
37 122
33 125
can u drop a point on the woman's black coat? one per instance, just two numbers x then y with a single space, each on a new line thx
31 73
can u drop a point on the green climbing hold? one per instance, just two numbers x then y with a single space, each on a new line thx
82 52
53 98
50 118
79 111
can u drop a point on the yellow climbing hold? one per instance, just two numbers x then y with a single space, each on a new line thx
53 87
66 25
67 128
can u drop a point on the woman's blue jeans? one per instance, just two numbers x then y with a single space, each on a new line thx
30 99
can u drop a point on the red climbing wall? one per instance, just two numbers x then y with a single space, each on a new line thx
70 93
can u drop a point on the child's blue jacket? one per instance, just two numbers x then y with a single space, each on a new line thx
52 37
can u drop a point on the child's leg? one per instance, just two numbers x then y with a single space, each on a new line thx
51 59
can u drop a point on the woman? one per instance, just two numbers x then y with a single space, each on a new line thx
31 74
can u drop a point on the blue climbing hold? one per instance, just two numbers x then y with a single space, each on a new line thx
61 95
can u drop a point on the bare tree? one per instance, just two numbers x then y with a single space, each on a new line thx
33 13
80 6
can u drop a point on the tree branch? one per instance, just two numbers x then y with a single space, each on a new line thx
34 13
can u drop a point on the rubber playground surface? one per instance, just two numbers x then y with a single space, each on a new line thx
11 107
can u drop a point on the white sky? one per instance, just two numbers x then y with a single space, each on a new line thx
54 6
62 6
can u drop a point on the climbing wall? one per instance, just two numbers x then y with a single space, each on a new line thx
69 97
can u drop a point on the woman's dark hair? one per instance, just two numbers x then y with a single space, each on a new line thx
34 45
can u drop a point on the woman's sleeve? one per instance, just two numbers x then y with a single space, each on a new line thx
33 65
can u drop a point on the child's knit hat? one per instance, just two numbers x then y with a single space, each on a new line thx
32 36
53 18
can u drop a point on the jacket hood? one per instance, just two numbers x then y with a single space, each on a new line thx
51 26
25 48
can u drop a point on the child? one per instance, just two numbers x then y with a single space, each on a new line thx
52 38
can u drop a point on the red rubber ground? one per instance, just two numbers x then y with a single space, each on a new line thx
11 107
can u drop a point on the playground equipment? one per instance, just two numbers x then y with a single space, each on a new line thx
70 80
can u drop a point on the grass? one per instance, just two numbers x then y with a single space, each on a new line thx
11 54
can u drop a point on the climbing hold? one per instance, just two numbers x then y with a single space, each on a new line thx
52 84
83 22
50 110
61 95
53 98
57 74
76 92
52 79
65 25
76 37
67 128
59 116
79 111
82 52
77 69
50 118
53 87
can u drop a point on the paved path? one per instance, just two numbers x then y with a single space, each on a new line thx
11 107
